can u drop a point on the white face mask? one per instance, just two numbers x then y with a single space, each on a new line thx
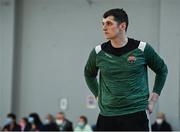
59 122
159 121
46 121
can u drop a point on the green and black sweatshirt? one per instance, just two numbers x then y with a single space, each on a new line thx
123 77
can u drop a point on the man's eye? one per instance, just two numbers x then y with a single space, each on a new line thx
109 23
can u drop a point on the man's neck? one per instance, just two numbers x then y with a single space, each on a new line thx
119 41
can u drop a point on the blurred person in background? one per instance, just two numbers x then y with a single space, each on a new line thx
50 124
161 124
83 125
11 124
35 121
24 124
63 123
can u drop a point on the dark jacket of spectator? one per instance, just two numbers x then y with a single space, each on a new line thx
161 127
12 127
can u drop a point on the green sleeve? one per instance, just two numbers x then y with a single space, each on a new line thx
90 73
155 62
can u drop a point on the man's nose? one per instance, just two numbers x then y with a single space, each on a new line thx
104 28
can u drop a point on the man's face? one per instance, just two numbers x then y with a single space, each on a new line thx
111 28
60 117
48 117
81 121
22 122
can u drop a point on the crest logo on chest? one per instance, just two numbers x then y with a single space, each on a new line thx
131 59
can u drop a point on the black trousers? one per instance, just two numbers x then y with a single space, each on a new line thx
131 122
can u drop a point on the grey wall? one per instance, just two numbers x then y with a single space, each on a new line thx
53 39
170 49
6 55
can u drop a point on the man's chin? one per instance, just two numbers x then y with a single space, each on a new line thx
107 37
110 37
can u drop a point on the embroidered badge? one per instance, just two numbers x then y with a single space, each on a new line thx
131 59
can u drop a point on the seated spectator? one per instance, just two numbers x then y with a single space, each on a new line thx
63 123
161 124
49 124
35 121
24 124
11 124
83 125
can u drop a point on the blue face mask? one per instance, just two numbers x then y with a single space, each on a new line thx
30 119
8 121
81 125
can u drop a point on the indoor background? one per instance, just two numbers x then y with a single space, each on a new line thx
44 46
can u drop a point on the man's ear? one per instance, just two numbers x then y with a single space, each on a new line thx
122 26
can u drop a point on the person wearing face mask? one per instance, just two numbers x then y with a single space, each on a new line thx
83 125
35 121
10 123
161 124
49 124
24 124
63 123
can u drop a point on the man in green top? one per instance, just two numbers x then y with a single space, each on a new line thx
123 92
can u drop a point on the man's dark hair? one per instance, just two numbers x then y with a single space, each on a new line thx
119 16
12 116
62 113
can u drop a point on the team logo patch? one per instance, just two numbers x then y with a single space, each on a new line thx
131 59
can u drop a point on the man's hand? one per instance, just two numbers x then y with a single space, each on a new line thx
152 101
